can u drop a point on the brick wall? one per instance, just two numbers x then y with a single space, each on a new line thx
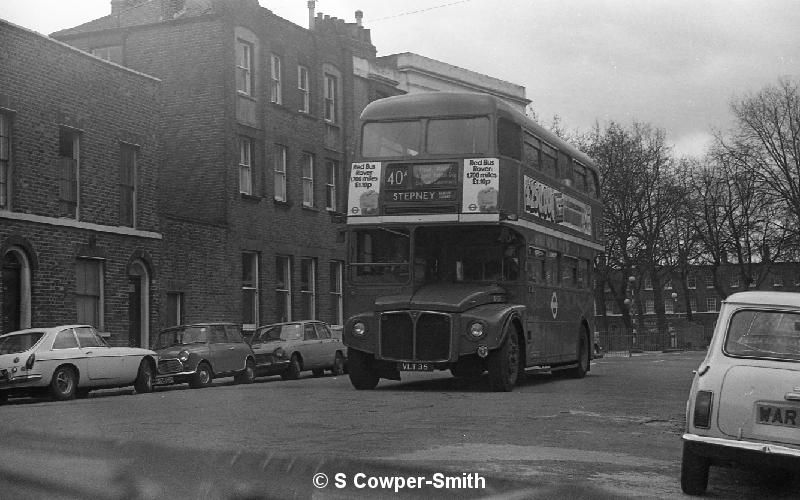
46 86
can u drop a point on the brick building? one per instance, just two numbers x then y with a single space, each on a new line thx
80 239
691 306
257 136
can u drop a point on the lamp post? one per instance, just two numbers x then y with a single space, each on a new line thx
629 301
673 339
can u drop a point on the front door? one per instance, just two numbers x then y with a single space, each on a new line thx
134 311
12 296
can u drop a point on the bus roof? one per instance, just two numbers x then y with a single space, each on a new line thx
453 104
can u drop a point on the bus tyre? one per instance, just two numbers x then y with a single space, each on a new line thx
504 364
582 368
360 370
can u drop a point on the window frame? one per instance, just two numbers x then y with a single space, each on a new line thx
244 67
283 294
250 287
330 113
69 173
336 277
307 177
6 165
275 79
128 184
331 184
308 287
304 89
279 159
245 165
83 292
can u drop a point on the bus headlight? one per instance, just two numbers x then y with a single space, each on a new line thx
476 330
359 329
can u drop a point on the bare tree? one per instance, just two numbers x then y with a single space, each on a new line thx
767 139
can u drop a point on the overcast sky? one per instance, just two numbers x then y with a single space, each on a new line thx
675 64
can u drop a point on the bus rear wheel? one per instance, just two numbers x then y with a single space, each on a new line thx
582 367
504 364
360 370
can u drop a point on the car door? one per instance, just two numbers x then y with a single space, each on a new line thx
66 348
240 348
102 364
312 348
223 352
328 344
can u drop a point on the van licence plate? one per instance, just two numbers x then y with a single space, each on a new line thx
785 416
416 367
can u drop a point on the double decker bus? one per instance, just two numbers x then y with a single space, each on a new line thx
472 233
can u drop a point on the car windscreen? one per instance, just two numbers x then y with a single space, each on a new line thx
21 342
182 336
764 334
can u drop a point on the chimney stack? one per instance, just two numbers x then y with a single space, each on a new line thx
311 4
359 17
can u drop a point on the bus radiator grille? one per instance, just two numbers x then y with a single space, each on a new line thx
411 336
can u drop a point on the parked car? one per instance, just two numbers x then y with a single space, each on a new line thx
197 354
69 361
308 345
744 404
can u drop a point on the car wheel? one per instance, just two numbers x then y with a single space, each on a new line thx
202 377
504 364
64 383
360 370
582 367
144 378
248 375
293 371
318 372
338 365
694 471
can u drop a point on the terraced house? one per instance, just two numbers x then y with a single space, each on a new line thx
256 122
80 240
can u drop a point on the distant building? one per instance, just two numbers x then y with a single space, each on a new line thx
80 239
691 313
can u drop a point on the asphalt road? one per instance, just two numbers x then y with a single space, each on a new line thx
614 434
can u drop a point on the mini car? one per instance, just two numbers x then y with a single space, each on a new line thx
308 345
69 361
744 404
197 354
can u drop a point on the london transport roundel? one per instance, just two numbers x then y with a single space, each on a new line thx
554 305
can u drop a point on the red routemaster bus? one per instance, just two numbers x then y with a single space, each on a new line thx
472 232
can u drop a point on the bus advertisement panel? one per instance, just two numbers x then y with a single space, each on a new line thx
471 239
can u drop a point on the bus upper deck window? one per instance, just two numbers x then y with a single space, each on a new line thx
394 139
509 139
458 136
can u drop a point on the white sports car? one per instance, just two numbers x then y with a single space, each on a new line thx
69 361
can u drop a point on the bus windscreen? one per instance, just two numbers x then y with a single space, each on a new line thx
458 136
391 139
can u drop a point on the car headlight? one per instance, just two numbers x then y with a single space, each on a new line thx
476 329
183 356
279 352
359 329
702 409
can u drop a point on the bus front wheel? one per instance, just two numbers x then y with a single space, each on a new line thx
504 364
359 366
